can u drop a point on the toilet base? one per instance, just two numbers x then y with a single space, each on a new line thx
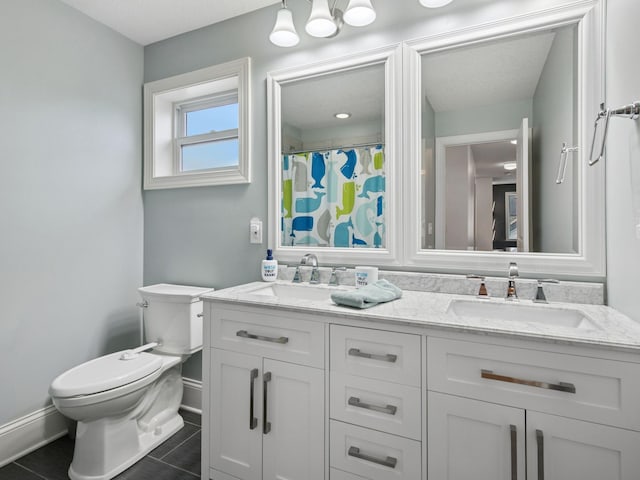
122 442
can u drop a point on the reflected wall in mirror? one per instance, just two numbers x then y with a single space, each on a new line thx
489 107
333 159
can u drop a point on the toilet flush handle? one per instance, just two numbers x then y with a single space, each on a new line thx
131 354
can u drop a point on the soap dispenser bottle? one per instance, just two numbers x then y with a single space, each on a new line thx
269 267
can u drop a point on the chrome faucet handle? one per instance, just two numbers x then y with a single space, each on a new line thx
296 276
540 296
315 276
511 286
333 280
310 260
482 291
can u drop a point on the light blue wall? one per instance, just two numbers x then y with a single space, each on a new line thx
70 200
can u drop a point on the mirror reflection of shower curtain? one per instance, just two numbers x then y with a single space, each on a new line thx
334 198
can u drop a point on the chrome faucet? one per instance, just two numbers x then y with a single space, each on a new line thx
511 287
540 296
333 280
308 260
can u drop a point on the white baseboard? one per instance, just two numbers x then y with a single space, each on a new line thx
30 432
192 395
26 434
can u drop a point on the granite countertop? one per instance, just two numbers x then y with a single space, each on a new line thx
605 326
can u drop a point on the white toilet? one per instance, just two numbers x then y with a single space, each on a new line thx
126 403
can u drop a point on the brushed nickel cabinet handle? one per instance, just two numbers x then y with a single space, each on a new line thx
253 421
355 352
266 425
560 386
540 442
514 452
245 334
390 462
389 409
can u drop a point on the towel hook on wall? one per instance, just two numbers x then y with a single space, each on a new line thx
631 111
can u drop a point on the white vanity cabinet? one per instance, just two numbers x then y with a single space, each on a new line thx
576 415
375 404
265 403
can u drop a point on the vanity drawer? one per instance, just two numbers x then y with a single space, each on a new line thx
593 389
335 474
389 356
384 406
373 455
280 337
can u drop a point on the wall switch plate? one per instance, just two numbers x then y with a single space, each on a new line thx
255 230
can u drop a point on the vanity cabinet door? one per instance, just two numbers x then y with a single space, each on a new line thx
293 448
471 440
235 438
566 449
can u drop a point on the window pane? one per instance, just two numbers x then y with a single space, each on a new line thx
213 119
202 156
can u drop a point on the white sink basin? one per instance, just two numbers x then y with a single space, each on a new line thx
519 313
312 293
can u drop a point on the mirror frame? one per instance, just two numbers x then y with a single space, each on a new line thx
390 57
590 261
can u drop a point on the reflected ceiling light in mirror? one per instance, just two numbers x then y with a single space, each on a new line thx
320 22
359 13
342 115
284 32
514 142
434 3
509 166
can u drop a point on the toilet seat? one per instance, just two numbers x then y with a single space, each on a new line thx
106 373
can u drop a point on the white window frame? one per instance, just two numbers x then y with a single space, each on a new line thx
181 139
162 98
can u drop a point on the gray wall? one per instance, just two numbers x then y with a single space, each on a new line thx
623 159
553 120
70 201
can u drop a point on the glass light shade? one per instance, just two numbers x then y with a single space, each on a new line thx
359 13
284 32
435 3
320 23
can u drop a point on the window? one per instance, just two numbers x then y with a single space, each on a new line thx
197 128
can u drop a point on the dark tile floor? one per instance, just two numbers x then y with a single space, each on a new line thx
178 458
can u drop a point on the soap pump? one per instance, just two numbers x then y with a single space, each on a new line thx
269 267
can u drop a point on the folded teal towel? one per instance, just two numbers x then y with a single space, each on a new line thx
365 297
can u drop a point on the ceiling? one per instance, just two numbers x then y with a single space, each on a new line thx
149 21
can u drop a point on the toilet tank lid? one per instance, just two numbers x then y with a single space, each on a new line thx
104 373
173 293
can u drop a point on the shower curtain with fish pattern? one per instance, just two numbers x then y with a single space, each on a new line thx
334 198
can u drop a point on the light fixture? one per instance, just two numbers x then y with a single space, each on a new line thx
434 3
359 13
320 22
513 142
323 21
342 115
509 166
284 32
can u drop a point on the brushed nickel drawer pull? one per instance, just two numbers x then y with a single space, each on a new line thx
266 425
389 409
560 386
245 334
385 462
355 352
540 442
253 421
514 452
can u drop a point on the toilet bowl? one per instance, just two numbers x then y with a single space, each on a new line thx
126 403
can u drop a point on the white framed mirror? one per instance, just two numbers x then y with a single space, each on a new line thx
334 182
505 95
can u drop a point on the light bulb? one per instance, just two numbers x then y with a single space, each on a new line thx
434 3
320 22
359 13
284 32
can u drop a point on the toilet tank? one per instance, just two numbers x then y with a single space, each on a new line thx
173 317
